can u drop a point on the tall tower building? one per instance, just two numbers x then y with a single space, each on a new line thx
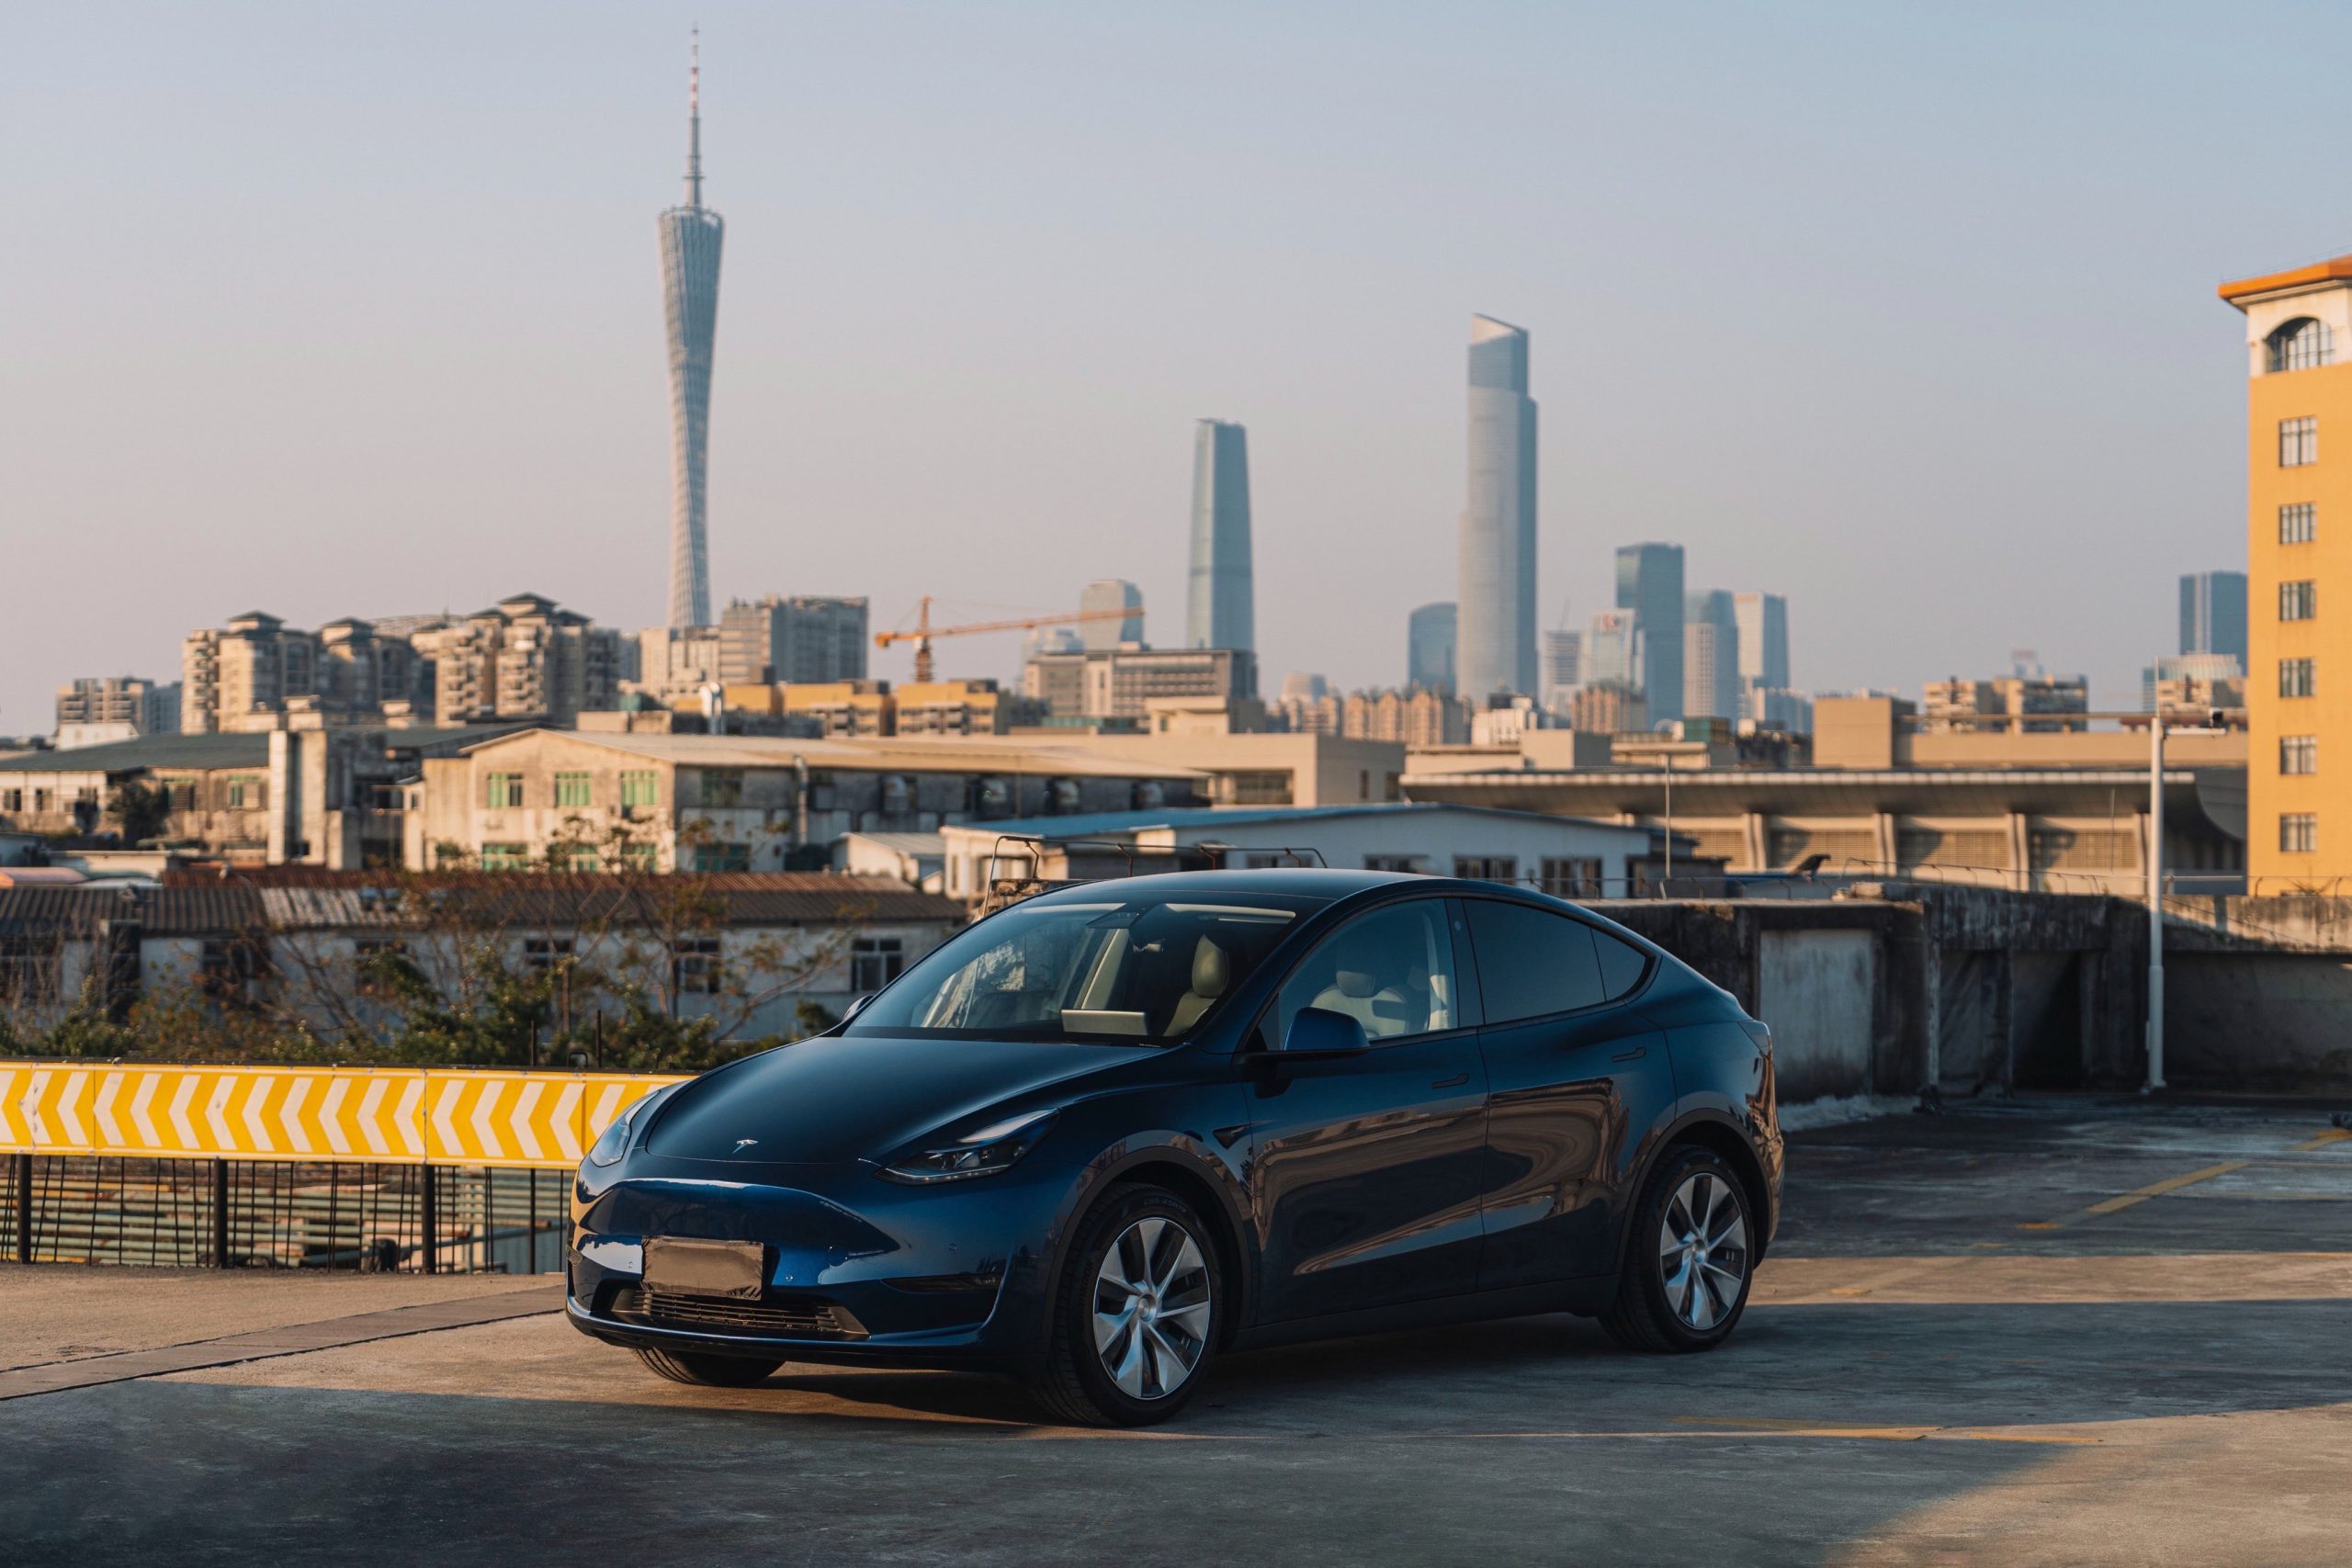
1711 653
1763 638
1218 613
690 239
1429 648
1649 583
1106 629
2299 502
1495 647
2212 613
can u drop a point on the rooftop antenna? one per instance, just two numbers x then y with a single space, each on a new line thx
693 118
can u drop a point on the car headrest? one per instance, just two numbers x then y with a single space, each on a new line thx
1354 982
1211 970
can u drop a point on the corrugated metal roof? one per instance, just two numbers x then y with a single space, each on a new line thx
163 911
147 751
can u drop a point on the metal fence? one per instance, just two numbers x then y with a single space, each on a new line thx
224 1213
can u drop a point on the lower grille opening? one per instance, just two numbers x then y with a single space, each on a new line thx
798 1317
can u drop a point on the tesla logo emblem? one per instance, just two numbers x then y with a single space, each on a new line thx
742 1144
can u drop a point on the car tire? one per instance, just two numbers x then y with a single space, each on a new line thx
1146 1257
1689 1258
708 1370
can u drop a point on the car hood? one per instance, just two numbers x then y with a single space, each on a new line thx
864 1097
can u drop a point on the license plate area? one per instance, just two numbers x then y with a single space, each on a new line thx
682 1266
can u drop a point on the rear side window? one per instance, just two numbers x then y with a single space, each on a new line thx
1532 962
1621 963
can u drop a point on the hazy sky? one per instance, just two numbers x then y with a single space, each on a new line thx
1905 311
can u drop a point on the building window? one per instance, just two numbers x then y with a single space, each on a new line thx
2299 754
2299 523
245 794
723 857
573 857
1255 788
1486 868
875 962
504 857
2298 600
181 795
12 799
2301 344
28 965
2299 833
503 790
722 786
640 857
2298 441
544 953
2298 677
1573 877
231 969
638 787
1417 864
572 789
694 965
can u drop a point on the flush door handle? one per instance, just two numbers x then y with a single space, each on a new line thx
1456 1081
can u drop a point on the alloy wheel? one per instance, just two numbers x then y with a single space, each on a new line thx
1702 1250
1151 1308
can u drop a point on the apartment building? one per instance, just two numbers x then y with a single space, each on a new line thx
96 709
2298 492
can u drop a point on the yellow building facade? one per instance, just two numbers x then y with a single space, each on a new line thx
2298 572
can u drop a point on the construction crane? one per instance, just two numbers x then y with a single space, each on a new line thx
923 631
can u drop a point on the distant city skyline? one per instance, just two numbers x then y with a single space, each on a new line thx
1649 583
418 334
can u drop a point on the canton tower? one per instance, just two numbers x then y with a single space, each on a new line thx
690 239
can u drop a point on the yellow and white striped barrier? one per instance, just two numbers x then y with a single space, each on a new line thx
389 1115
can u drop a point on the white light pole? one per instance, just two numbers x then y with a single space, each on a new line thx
2155 902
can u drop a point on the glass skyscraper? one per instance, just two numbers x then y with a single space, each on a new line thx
1429 651
2212 613
1495 627
690 239
1649 583
1218 613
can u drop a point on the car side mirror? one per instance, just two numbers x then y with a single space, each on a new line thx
1321 1034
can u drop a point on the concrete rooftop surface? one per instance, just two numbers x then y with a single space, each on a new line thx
2070 1330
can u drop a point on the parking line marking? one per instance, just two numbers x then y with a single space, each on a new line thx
2122 1201
1759 1426
2333 1136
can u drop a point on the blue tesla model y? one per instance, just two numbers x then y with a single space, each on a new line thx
1106 1132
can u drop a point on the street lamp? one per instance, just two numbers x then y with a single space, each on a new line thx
2156 901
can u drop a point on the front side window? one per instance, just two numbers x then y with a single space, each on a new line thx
638 787
572 789
1391 970
2298 600
1104 971
2299 833
502 790
2297 523
2298 678
2298 441
2299 754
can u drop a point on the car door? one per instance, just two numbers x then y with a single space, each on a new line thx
1574 1077
1366 1172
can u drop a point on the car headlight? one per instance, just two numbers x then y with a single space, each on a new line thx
612 1142
998 1146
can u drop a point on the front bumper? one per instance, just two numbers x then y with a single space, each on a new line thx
857 1270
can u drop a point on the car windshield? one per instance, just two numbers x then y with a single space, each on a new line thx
1147 971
